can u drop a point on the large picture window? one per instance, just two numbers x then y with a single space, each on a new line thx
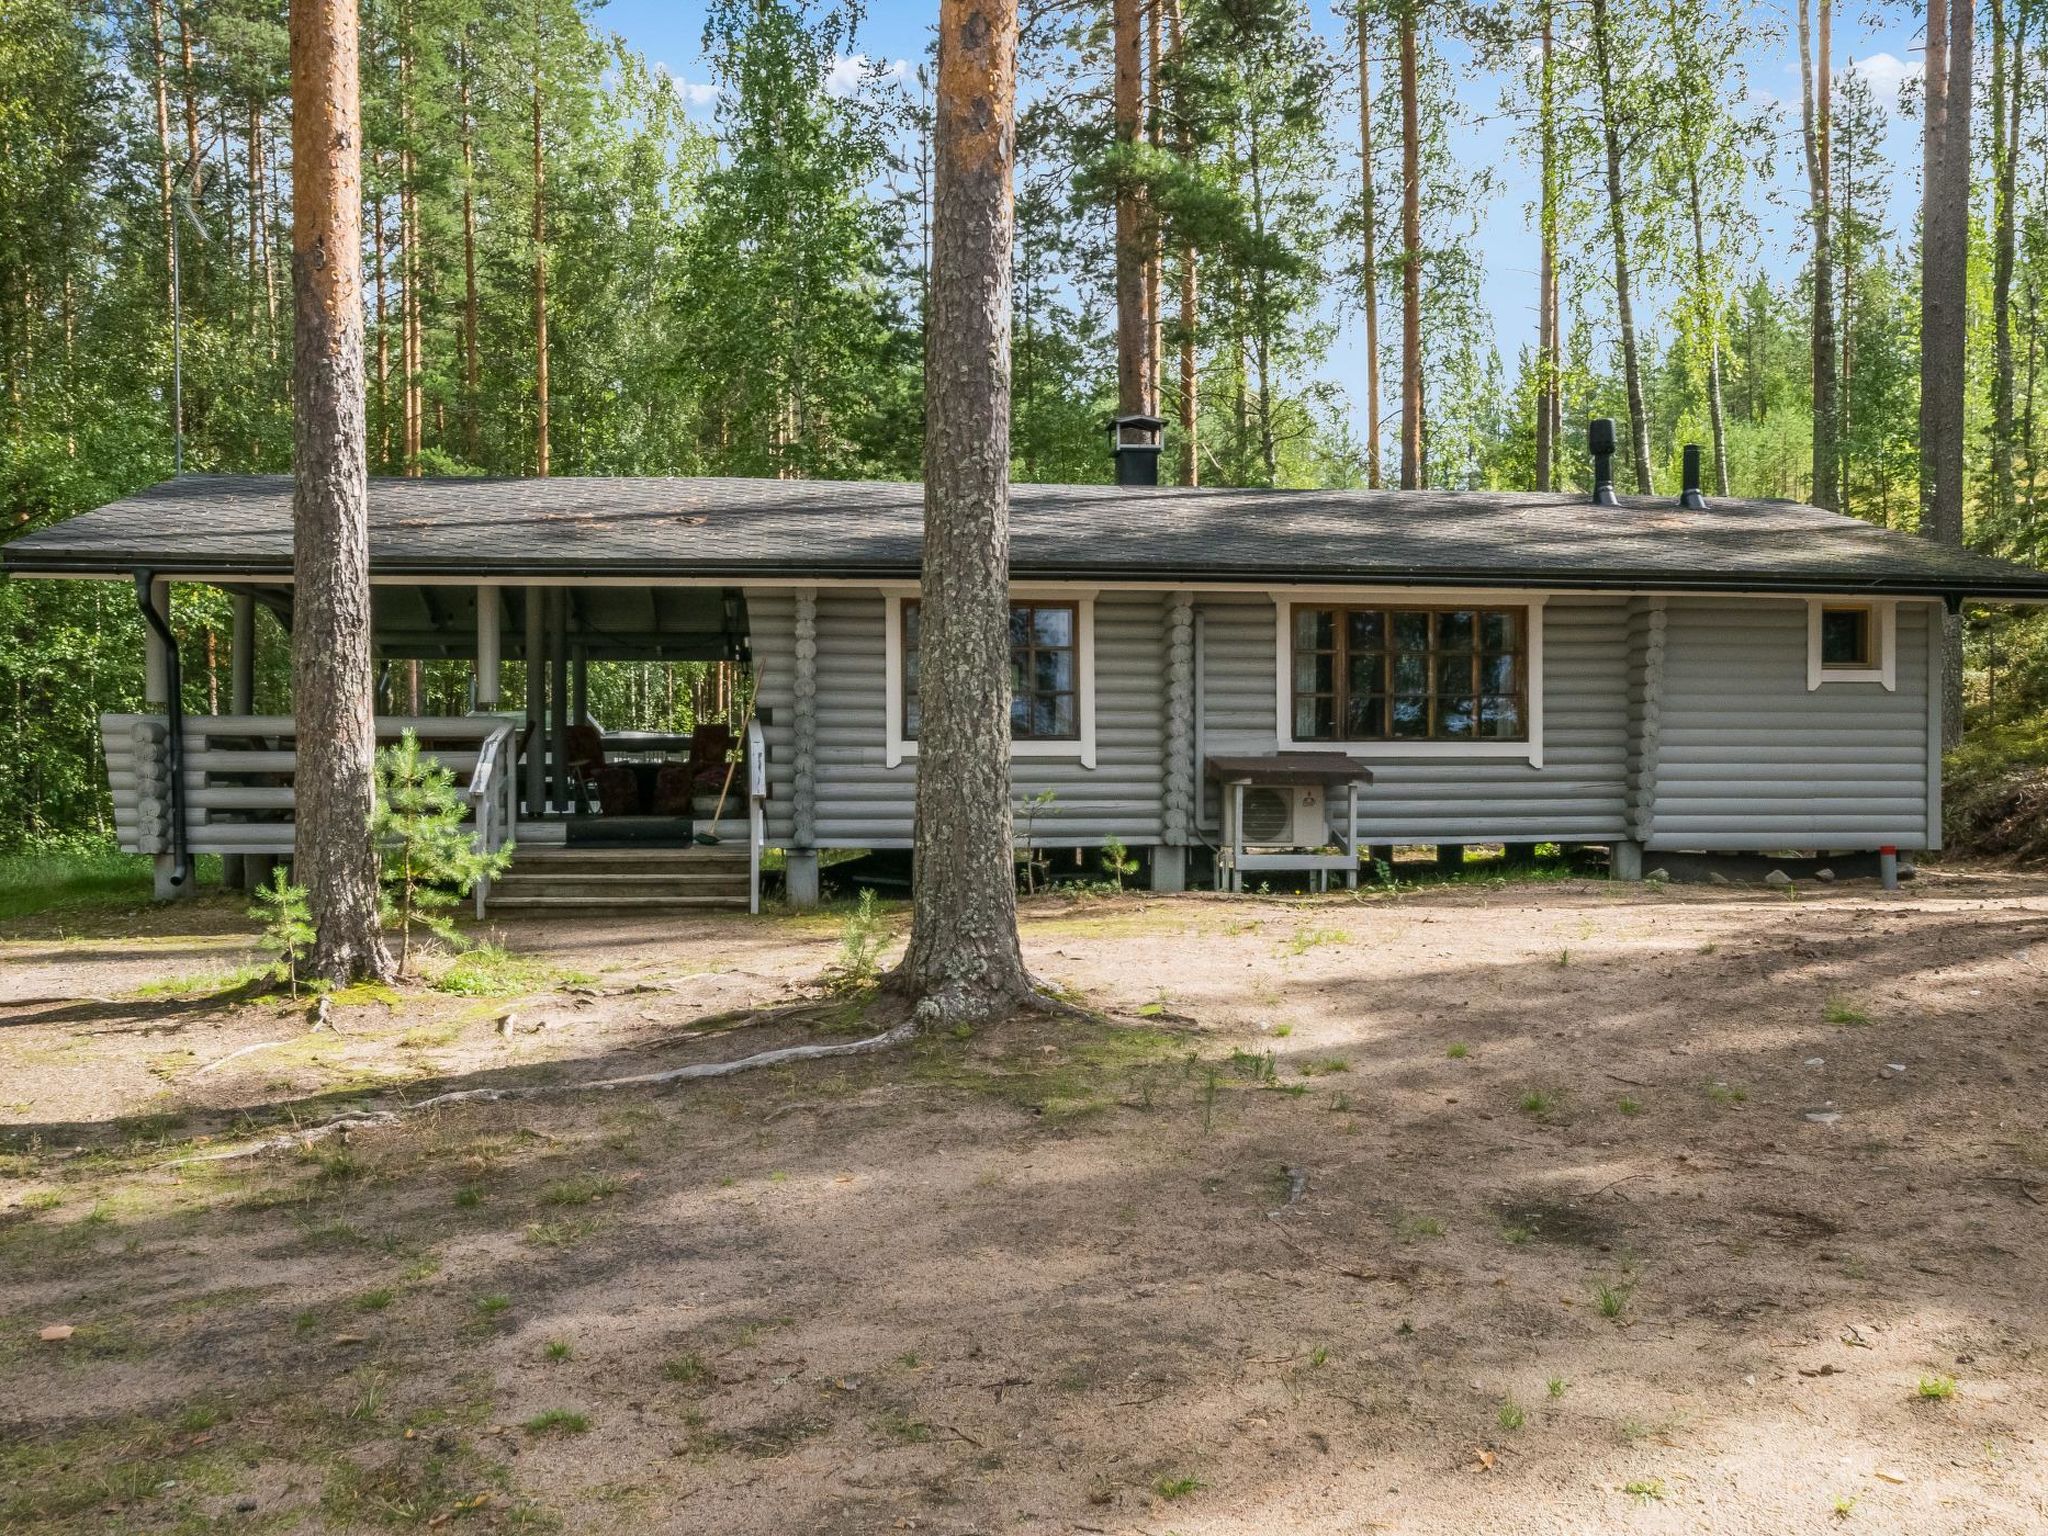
1383 673
1045 671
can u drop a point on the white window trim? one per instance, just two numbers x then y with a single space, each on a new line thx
1286 599
1884 613
1081 749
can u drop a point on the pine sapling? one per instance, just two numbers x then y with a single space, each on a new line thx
430 860
287 925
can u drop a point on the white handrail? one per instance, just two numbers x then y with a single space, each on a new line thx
486 795
757 813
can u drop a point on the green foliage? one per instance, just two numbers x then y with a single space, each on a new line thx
429 860
1117 862
862 938
287 924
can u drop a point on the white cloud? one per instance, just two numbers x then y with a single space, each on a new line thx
697 95
1887 74
850 71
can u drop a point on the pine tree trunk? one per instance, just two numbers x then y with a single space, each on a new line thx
409 253
1412 468
1546 263
1617 230
472 366
1369 256
1944 273
377 261
1190 295
331 655
1717 417
1134 365
1816 114
1155 249
964 963
540 274
163 141
2008 82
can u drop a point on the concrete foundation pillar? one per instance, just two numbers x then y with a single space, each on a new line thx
800 883
1450 856
1624 861
1519 855
1169 868
1888 868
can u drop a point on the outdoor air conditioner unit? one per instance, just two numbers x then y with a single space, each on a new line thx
1284 817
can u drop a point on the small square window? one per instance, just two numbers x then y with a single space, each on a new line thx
1845 638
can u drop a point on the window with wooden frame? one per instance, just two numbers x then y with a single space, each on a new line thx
1045 671
1846 638
1380 672
1850 641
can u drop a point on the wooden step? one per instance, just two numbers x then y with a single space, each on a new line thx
599 889
579 906
622 859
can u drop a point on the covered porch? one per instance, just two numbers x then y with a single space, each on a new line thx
601 727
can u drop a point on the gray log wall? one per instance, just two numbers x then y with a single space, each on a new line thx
1681 722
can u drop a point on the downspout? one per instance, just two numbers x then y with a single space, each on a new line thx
174 743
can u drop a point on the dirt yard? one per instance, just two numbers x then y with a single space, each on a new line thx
1551 1207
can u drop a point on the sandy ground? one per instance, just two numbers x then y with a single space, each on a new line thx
1474 1210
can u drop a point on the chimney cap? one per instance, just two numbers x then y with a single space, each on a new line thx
1149 423
1600 435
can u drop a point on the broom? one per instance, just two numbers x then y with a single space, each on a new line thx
708 839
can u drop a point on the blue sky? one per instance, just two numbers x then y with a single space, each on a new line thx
1885 42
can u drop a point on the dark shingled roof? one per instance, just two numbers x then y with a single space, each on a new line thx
240 525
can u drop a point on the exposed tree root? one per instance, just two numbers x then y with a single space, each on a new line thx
896 1035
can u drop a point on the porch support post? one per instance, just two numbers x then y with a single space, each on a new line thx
800 885
536 704
558 694
156 700
580 684
1177 809
237 869
489 624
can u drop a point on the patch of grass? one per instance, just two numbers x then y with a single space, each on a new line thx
685 1369
1647 1490
561 1234
1844 1505
1727 1095
581 1190
82 879
1511 1416
1936 1389
1840 1010
490 970
1556 1386
1458 1051
1516 1235
201 983
1171 1488
1326 1067
488 1307
469 1197
557 1349
557 1421
377 1300
1302 940
902 1428
1629 1105
1611 1299
1537 1103
1319 1357
1412 1227
1282 1031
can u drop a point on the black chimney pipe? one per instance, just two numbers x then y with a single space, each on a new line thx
1600 440
1692 498
1137 461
